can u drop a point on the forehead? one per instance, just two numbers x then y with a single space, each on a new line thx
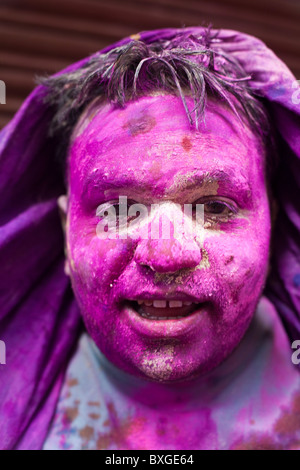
153 135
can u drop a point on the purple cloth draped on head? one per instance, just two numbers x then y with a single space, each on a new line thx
39 317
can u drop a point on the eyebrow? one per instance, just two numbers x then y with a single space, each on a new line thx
215 176
103 181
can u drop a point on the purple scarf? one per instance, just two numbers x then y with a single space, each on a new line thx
39 317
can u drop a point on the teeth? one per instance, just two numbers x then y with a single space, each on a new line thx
160 303
164 303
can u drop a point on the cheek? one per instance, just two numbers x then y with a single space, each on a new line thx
239 262
95 263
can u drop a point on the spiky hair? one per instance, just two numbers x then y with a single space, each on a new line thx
185 64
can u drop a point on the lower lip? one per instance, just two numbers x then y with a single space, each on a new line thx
170 327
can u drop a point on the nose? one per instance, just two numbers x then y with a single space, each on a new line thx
168 256
171 253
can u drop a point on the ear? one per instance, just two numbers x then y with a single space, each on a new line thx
62 203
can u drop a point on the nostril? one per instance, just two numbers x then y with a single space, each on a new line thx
147 266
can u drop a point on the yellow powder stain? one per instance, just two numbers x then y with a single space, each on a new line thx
212 186
68 249
204 263
160 368
186 181
135 37
72 264
165 278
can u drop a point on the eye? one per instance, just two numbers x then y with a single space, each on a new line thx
217 210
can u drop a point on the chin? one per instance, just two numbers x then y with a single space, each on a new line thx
165 368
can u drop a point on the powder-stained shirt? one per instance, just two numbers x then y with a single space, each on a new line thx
257 406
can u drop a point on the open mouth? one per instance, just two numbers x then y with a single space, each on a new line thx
164 309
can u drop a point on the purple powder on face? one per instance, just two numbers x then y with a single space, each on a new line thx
195 267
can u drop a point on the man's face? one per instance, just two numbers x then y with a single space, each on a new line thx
212 279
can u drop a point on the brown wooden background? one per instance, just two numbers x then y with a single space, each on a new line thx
38 36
